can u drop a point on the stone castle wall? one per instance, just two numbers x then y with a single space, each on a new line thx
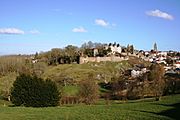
101 59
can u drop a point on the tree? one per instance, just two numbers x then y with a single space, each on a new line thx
131 49
71 53
90 44
36 55
89 52
157 77
39 68
119 85
55 54
6 84
103 52
89 91
13 63
31 91
70 50
128 49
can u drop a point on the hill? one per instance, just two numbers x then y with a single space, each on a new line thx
78 72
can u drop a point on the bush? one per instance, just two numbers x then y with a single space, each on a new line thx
35 92
89 91
157 76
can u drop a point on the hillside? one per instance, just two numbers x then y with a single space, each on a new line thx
78 72
71 73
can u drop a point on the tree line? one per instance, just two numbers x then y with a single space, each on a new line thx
70 54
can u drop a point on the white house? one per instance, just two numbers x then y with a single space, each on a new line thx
177 64
137 73
115 48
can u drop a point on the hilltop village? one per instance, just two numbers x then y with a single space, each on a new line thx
113 52
134 67
116 72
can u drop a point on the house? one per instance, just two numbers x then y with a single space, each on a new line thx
95 51
115 48
177 64
162 53
136 72
34 61
167 68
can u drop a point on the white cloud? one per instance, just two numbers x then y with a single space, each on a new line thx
158 13
34 32
11 31
79 29
104 23
101 22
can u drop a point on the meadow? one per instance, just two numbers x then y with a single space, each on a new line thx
168 108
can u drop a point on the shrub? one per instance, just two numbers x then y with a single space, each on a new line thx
35 92
89 91
157 76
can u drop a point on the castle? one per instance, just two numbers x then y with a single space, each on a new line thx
111 56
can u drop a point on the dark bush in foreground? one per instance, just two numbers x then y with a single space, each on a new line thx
34 92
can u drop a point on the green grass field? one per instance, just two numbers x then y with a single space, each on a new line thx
147 109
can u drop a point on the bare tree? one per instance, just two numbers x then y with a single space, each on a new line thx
157 77
89 91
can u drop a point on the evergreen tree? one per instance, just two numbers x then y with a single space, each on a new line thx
32 91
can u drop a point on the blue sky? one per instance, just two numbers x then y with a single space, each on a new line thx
27 26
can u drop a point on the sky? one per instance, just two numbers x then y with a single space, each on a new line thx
29 26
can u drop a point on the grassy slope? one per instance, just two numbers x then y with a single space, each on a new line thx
80 71
166 109
77 72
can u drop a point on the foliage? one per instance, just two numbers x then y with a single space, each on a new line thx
157 75
89 52
90 45
172 82
89 91
54 54
130 49
103 52
60 56
35 92
6 82
20 64
39 68
150 84
9 64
